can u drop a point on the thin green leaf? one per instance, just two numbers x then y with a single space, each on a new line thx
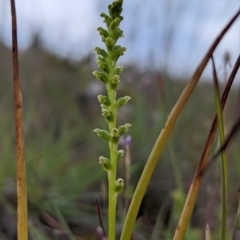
223 153
62 221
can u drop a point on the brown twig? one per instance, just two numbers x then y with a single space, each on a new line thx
100 221
18 109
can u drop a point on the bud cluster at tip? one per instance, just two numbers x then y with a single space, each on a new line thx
106 59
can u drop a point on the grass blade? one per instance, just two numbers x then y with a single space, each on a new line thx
63 222
223 153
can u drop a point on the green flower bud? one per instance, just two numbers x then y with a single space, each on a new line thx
117 52
101 51
103 32
104 100
107 19
124 128
121 101
114 81
115 23
120 154
103 134
103 65
118 70
115 135
101 59
119 184
115 9
118 33
115 132
105 162
109 42
121 17
101 76
107 114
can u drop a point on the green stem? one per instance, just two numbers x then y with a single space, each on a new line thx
223 154
113 148
224 196
111 207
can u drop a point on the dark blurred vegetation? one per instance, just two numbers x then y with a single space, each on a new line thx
60 112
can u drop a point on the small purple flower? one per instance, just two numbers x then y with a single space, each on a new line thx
128 140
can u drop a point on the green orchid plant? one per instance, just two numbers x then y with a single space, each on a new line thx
108 73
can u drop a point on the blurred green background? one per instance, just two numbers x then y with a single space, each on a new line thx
63 174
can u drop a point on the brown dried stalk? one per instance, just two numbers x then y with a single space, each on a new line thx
18 109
